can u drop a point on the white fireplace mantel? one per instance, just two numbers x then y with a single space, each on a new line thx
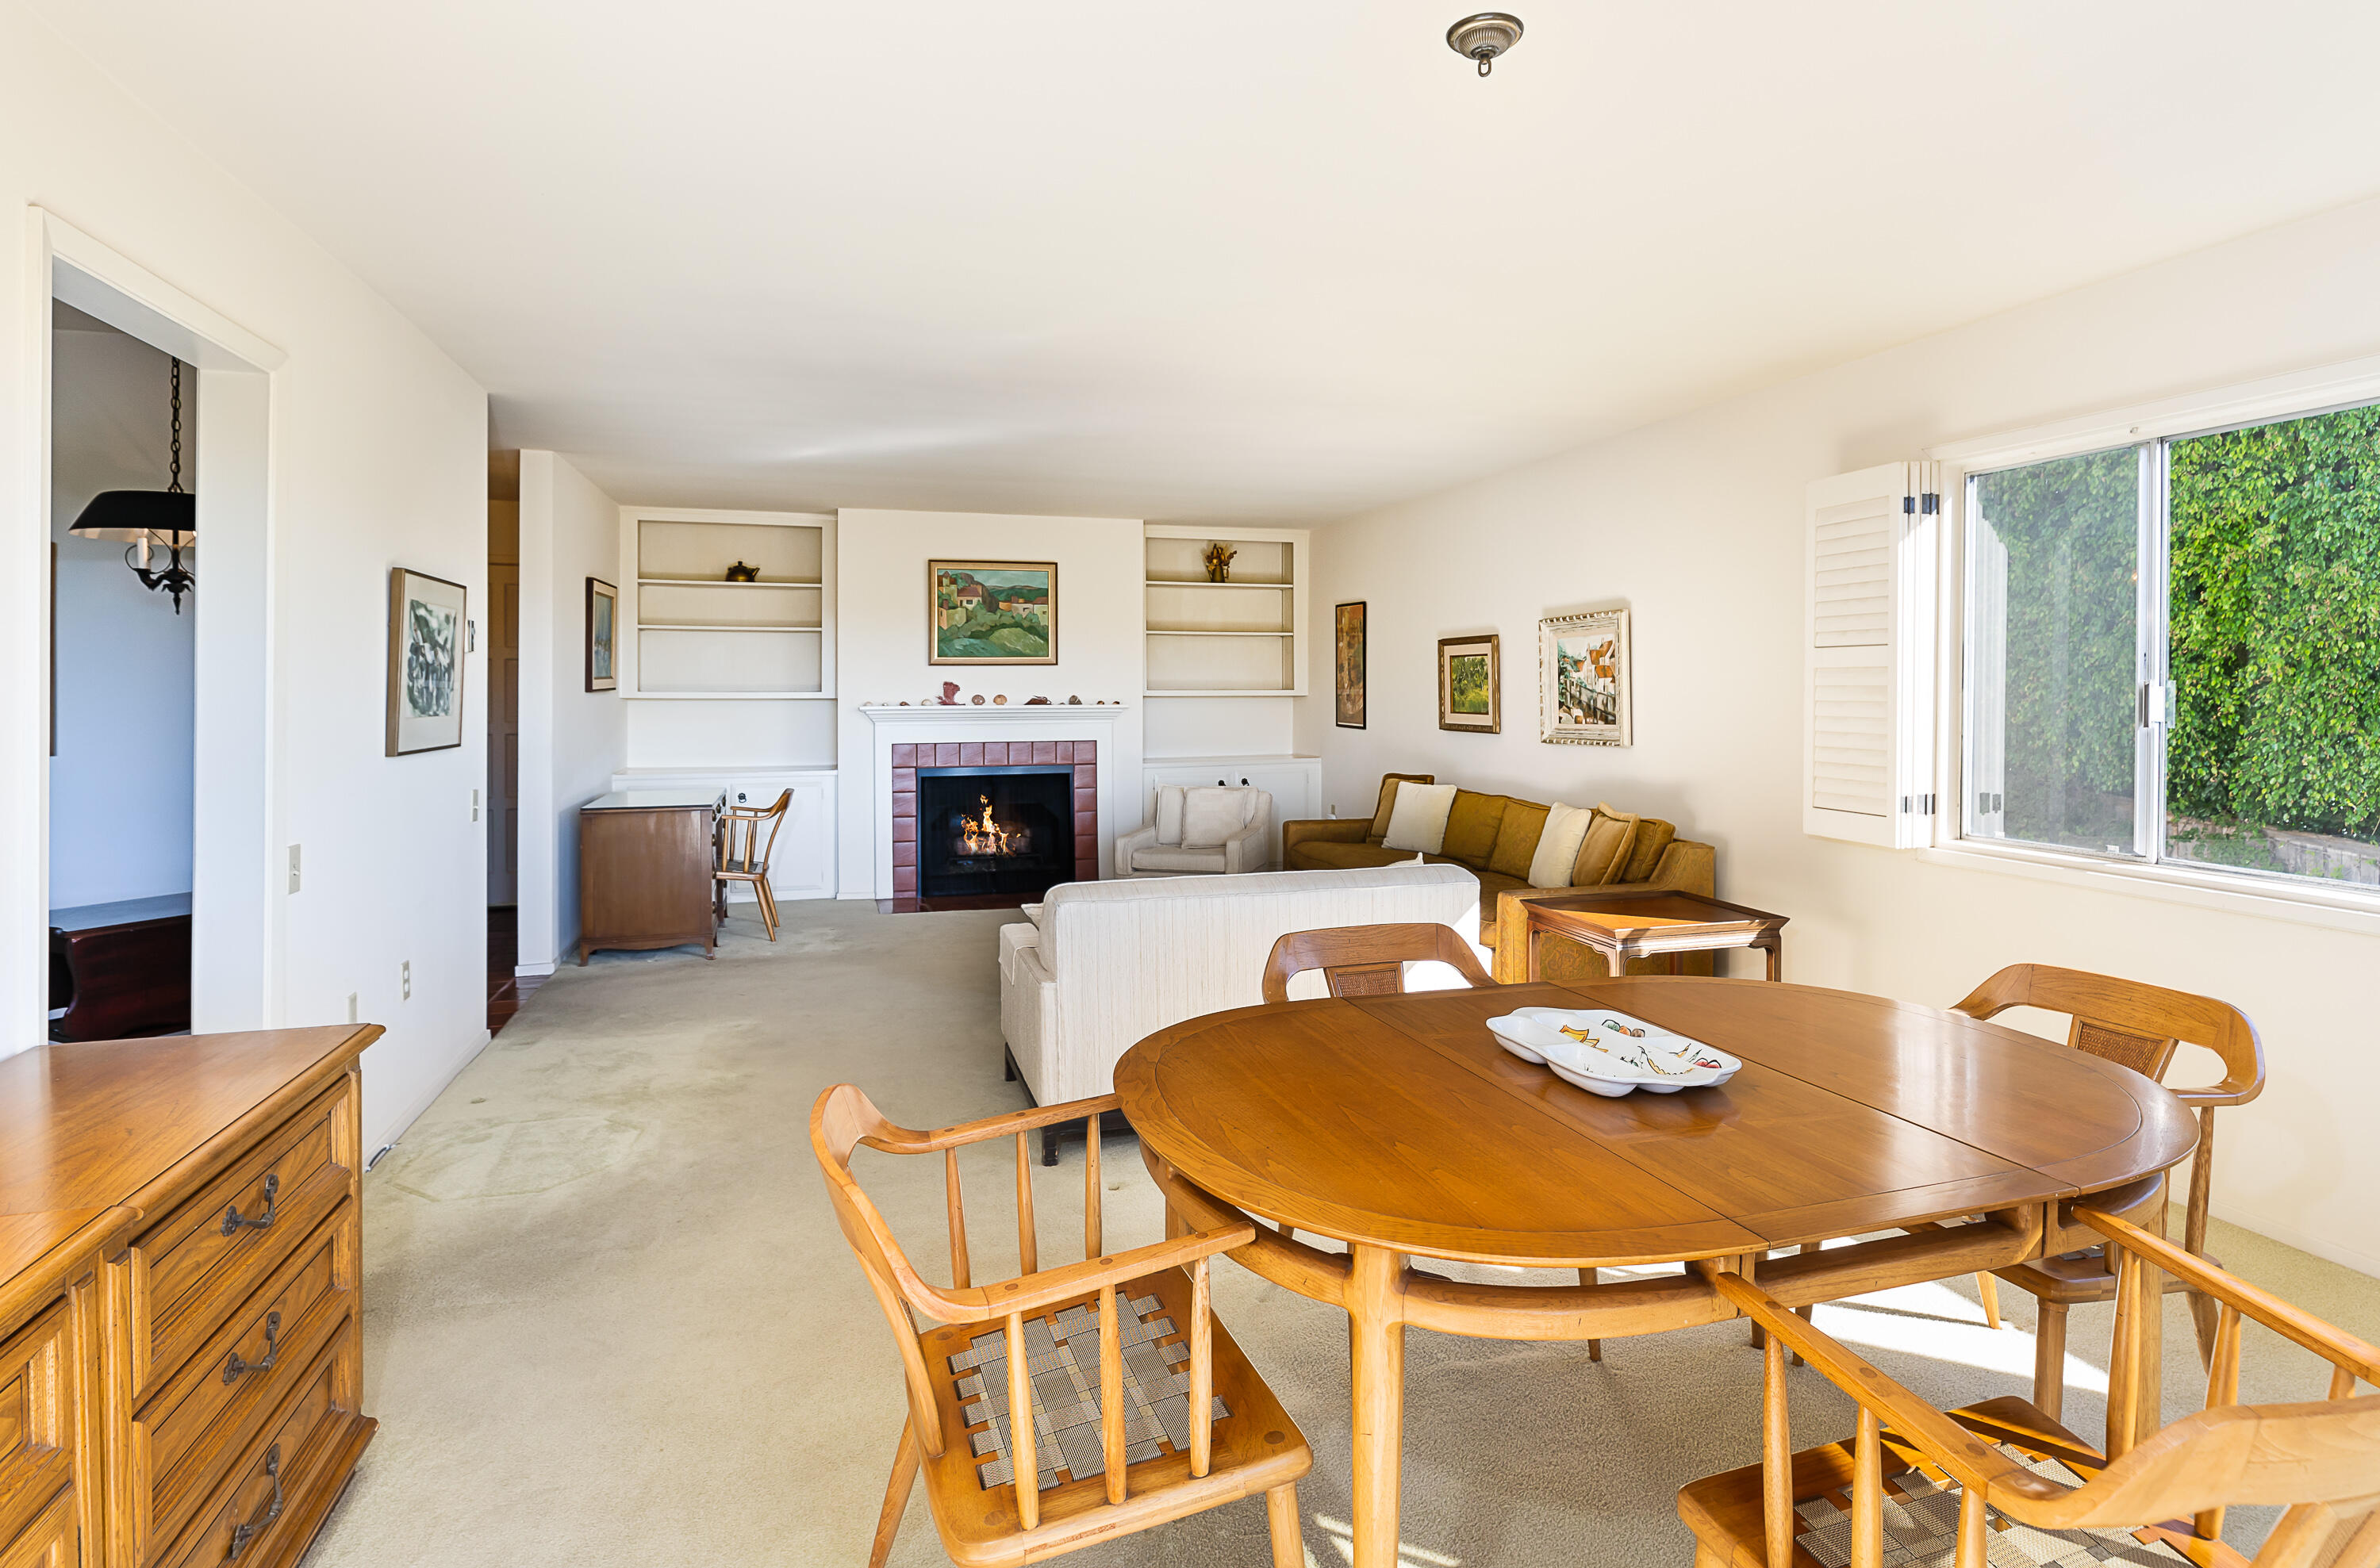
1014 721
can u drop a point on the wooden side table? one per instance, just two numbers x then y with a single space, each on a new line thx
645 865
1650 923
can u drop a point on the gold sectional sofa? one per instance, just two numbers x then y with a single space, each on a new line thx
1494 837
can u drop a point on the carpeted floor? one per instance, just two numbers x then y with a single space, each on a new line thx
610 1320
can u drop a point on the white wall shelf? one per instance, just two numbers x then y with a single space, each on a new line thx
768 639
1243 638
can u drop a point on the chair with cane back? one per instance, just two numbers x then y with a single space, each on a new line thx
2138 1027
2003 1482
1367 961
1143 1409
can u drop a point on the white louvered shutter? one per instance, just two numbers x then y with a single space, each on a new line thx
1868 697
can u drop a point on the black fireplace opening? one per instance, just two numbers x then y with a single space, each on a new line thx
1005 831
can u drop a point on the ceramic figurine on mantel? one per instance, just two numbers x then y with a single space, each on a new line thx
950 694
1036 702
1217 559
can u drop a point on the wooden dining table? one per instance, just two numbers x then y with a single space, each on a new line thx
1397 1126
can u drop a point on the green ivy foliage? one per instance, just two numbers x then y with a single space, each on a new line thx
2276 615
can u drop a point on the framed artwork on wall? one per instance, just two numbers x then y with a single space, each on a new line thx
1347 665
603 635
1583 679
1470 684
425 662
991 612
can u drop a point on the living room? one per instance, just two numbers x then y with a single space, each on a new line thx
1608 780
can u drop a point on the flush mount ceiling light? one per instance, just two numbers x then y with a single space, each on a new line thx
148 518
1484 37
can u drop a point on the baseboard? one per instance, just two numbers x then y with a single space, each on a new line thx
387 1136
533 971
2304 1241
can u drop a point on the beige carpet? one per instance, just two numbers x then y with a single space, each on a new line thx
611 1320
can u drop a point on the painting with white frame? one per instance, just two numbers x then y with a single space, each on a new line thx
1583 679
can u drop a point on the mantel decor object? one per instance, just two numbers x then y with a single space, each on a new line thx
1583 679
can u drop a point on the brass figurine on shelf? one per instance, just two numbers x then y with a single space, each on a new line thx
739 572
1219 558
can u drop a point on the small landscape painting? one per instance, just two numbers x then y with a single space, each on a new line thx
1470 684
1584 678
603 635
992 611
1348 665
425 662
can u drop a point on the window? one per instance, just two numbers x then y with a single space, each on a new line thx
2173 650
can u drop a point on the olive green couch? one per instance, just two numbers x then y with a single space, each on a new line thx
1494 837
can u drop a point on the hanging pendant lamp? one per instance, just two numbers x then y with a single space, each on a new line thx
149 518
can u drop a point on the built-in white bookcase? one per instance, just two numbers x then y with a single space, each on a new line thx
1240 638
695 636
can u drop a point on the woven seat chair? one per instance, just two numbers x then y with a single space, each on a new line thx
1143 1409
2002 1483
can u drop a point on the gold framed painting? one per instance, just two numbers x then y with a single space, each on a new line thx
1583 680
1347 665
425 662
1471 685
991 612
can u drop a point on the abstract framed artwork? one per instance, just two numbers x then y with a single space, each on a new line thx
991 612
425 662
603 635
1347 665
1583 679
1470 684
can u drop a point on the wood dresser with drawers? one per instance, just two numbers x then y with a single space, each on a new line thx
181 1351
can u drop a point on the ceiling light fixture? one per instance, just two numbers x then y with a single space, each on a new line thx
1484 37
143 516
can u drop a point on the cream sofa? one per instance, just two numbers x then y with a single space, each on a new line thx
1102 965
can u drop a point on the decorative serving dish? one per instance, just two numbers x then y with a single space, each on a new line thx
1610 1052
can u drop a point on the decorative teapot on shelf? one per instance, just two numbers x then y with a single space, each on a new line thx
740 572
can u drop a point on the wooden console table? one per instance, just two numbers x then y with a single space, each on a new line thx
121 969
645 865
181 1339
1650 923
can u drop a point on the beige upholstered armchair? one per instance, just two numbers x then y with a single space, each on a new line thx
1208 828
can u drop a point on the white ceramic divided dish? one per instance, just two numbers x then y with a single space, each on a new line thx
1610 1052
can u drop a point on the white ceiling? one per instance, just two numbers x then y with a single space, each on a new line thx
1218 259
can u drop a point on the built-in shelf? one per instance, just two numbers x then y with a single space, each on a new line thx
1243 638
768 640
722 583
720 626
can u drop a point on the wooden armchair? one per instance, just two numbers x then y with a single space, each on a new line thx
1143 1408
744 856
2136 1026
2060 1500
1367 961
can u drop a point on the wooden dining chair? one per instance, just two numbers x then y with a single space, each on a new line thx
2138 1027
1367 961
2003 1477
1143 1409
744 856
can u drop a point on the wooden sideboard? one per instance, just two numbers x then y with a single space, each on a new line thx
645 865
181 1344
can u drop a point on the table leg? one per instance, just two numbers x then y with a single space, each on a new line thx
1776 959
1377 1343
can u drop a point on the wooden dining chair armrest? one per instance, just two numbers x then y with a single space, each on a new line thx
2232 1091
2339 1349
1031 1293
1966 1456
906 1141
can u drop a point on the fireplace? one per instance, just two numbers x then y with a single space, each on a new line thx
994 830
906 846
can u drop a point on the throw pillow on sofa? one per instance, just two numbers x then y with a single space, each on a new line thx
1558 845
1210 816
1603 854
1418 821
1471 826
1516 838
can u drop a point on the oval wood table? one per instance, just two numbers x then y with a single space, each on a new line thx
1397 1126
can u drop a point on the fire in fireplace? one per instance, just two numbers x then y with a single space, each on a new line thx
994 830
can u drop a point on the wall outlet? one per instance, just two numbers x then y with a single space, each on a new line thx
293 868
351 1008
405 981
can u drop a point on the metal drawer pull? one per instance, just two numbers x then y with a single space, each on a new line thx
233 1220
234 1366
243 1533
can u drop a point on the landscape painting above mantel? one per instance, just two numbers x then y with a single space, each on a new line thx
992 611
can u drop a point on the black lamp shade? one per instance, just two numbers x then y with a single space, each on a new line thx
127 514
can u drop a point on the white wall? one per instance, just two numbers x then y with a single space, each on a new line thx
1695 523
571 739
881 640
378 457
120 782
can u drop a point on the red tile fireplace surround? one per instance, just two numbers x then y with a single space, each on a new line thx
1082 756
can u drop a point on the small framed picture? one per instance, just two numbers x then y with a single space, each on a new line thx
1348 665
1583 680
1470 684
991 612
603 635
425 662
